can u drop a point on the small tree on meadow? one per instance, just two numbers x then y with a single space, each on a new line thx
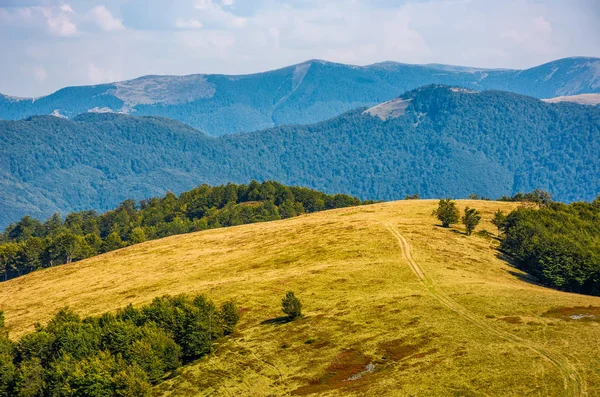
291 306
499 219
471 219
230 315
447 212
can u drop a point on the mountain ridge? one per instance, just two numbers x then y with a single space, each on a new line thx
447 142
304 93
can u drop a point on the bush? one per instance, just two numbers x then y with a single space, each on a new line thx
291 306
471 220
447 212
230 316
112 354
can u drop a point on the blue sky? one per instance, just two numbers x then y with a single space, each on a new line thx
47 44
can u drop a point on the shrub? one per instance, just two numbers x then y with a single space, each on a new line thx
112 355
230 316
291 306
447 212
471 220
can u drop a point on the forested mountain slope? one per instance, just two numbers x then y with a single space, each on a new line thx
438 142
301 94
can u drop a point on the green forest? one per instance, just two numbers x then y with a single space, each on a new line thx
30 244
558 243
448 143
120 354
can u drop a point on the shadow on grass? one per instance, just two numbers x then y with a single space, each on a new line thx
526 277
277 321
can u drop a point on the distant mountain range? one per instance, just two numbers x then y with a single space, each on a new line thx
301 94
436 141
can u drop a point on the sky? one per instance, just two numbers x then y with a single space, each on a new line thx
46 44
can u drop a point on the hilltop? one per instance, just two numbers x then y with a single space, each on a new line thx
582 99
441 142
306 93
394 305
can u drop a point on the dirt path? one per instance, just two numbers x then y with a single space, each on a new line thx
573 382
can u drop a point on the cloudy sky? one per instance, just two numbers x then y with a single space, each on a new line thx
48 44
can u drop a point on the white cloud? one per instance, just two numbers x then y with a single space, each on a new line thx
56 20
66 8
188 23
212 13
248 36
59 23
105 20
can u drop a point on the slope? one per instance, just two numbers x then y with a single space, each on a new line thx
300 94
469 325
441 141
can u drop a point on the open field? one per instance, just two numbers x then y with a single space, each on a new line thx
394 305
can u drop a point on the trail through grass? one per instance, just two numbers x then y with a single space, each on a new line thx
574 386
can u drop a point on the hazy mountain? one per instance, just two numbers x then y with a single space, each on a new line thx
435 141
301 94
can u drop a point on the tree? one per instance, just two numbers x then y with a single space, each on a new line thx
230 316
471 219
447 212
112 242
1 320
498 220
137 235
7 366
291 306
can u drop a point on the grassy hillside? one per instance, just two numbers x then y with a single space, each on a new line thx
393 304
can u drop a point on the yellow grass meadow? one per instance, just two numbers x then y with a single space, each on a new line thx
393 305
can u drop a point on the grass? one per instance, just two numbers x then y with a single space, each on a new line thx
370 326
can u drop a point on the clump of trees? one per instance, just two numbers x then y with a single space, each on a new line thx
537 196
447 212
559 244
470 219
29 244
120 354
291 306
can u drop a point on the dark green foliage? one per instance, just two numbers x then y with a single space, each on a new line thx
7 367
412 197
291 306
446 144
1 320
120 354
470 219
538 196
559 244
29 245
29 380
447 213
231 315
498 220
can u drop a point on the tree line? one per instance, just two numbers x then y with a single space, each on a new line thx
30 244
558 243
120 354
